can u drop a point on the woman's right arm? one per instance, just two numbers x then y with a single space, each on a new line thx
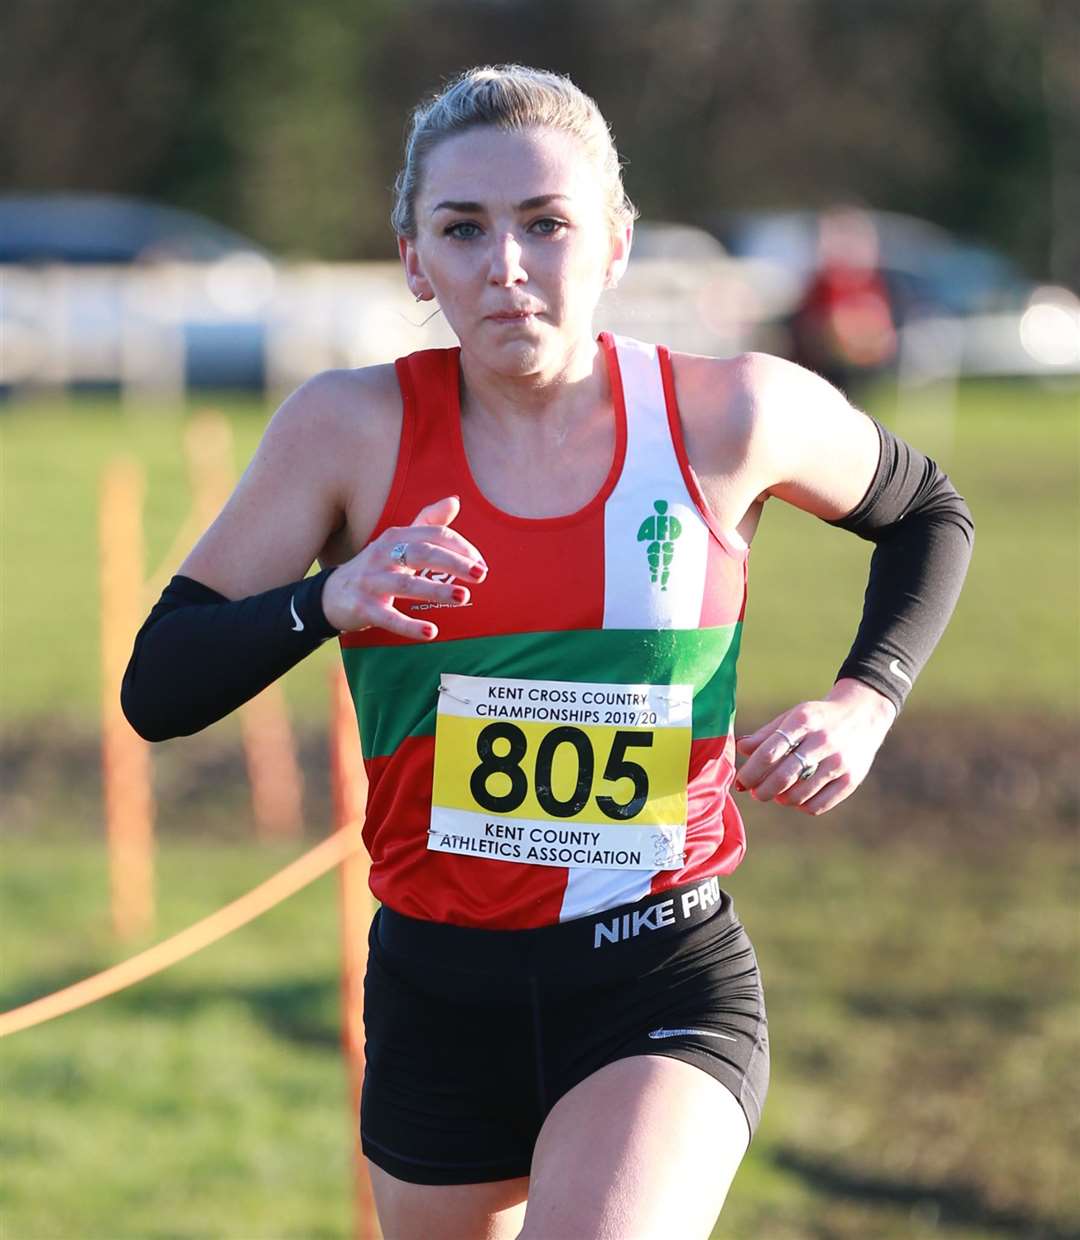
240 612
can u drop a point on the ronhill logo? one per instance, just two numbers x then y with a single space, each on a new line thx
659 531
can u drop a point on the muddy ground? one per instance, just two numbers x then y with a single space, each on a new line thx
953 780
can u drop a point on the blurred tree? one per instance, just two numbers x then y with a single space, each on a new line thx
1061 87
286 120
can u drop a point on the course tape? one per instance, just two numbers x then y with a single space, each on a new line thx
299 873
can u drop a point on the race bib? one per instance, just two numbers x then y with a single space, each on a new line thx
561 773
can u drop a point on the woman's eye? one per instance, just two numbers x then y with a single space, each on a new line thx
464 230
548 227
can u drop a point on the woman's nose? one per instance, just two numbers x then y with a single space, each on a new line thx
506 265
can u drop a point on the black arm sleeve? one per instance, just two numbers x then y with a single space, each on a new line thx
924 534
198 656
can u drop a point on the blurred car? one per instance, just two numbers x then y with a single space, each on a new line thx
960 307
60 255
104 228
927 268
675 243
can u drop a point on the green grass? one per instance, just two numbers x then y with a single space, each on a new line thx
1014 642
1013 450
923 1016
923 994
208 1102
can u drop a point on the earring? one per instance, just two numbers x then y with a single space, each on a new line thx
419 296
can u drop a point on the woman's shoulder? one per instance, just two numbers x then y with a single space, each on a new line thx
736 401
755 379
362 402
337 436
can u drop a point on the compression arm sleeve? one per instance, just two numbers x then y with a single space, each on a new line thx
923 535
198 656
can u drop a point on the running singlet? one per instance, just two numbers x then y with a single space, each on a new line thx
565 744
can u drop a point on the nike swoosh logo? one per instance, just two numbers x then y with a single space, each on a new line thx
898 671
678 1033
298 627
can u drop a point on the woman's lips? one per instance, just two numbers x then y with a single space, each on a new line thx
512 316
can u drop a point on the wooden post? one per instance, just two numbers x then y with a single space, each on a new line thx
349 784
273 769
126 774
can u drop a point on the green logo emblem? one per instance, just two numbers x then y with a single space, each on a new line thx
660 531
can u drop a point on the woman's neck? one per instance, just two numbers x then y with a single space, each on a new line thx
554 398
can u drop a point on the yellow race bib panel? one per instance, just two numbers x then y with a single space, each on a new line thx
561 773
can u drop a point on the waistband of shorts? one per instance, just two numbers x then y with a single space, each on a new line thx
609 943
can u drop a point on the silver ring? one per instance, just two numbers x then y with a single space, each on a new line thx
398 552
808 768
792 744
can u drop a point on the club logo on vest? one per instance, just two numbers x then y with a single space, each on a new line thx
659 531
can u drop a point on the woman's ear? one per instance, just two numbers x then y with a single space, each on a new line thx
414 272
621 240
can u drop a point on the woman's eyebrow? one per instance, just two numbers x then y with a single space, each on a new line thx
466 208
542 200
476 208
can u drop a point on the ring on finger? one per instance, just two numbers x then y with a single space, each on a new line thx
791 741
398 552
807 768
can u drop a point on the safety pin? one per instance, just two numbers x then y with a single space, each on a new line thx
463 701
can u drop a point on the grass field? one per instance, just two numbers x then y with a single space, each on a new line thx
1014 452
923 1017
919 947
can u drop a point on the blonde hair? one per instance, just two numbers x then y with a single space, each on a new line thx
509 97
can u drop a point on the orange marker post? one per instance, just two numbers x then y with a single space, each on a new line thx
349 784
273 769
125 756
274 775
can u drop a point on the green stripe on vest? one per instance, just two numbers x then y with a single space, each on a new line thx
392 685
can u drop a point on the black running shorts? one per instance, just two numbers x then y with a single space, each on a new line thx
474 1035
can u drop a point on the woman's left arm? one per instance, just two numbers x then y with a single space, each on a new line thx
826 458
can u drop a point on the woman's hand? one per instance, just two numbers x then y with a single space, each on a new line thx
360 593
814 756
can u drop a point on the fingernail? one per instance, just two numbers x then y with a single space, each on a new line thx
429 631
459 594
739 786
477 571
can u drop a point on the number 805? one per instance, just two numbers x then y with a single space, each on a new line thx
509 763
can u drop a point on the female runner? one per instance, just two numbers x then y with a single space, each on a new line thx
534 550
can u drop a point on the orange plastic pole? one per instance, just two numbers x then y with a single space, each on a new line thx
125 757
349 784
273 769
274 775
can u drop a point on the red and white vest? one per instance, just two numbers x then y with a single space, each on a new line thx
565 744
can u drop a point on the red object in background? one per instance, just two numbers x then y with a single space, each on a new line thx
844 324
845 319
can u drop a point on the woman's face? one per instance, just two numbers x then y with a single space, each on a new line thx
513 240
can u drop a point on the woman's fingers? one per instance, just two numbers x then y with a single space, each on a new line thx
383 616
427 548
436 547
396 584
788 769
747 744
426 561
434 521
768 747
815 755
440 512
